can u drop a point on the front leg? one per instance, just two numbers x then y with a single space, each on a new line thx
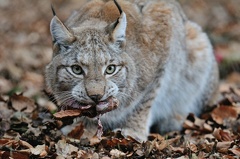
137 125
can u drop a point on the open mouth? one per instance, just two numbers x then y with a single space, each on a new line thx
93 110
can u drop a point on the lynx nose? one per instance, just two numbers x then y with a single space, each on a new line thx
96 98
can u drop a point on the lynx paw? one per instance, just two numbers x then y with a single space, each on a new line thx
138 135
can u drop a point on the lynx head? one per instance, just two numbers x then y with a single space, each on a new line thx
89 65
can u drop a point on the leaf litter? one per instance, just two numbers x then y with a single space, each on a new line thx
34 132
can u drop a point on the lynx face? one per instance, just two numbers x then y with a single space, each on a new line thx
89 67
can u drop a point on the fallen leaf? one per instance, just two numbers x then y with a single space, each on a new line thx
21 103
77 132
13 155
235 150
83 154
65 149
222 135
67 113
192 147
222 113
228 157
224 145
177 149
117 153
39 150
94 140
188 124
206 146
165 143
25 144
207 127
156 136
139 153
195 123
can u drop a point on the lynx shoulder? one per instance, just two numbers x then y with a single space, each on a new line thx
145 53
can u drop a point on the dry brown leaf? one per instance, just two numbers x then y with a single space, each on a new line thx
223 146
149 145
188 124
95 156
3 141
10 143
174 140
82 154
162 145
39 150
228 157
195 123
198 122
64 149
22 103
77 132
115 142
156 136
236 91
165 143
206 146
117 153
94 140
207 127
222 113
139 153
192 147
13 155
235 150
222 135
25 144
67 113
176 149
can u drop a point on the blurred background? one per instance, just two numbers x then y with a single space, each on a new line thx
25 41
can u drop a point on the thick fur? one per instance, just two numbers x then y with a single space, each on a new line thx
165 64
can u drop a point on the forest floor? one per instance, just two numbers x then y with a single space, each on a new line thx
29 130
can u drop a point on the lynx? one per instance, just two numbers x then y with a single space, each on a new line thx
146 54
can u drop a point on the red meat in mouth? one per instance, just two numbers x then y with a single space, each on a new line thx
90 110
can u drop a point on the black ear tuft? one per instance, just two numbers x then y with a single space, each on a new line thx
118 6
53 11
117 29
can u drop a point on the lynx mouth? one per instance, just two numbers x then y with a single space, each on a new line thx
93 110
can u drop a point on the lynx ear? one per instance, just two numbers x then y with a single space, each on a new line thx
118 28
60 33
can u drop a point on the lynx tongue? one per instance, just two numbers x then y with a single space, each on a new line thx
110 104
79 106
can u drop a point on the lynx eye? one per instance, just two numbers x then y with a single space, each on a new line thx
110 69
77 69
